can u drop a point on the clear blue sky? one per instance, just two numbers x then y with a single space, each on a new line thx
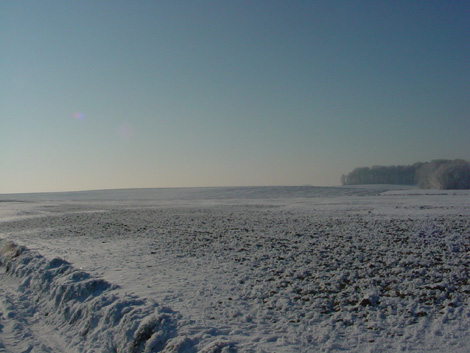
121 94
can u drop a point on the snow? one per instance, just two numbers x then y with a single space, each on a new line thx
262 269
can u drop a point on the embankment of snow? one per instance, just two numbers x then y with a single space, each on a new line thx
89 312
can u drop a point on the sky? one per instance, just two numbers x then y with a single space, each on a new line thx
130 94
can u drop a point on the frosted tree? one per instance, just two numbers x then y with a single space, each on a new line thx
454 175
437 174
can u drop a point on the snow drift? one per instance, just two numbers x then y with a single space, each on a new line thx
88 311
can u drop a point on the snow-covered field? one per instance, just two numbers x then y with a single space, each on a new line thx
293 269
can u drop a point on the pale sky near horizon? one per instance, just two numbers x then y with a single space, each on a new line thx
128 94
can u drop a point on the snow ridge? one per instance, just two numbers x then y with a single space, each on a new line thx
88 311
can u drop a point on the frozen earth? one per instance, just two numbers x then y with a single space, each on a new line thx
273 269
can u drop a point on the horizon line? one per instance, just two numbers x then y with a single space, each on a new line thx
170 187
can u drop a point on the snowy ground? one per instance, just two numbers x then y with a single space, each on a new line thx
365 269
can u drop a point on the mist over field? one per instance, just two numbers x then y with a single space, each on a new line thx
438 174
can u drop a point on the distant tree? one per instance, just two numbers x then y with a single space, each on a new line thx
437 174
380 175
427 173
454 175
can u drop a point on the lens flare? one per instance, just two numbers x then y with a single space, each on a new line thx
78 116
125 131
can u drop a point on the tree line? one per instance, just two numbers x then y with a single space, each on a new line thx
437 174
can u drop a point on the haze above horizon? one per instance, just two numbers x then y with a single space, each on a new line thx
118 94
